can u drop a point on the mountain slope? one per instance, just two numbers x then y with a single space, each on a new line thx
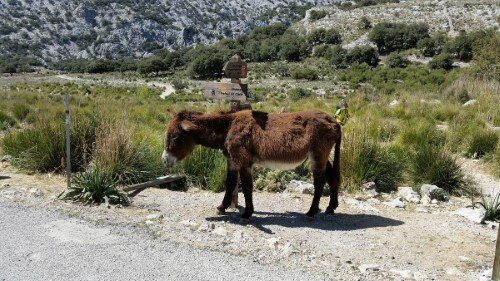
51 29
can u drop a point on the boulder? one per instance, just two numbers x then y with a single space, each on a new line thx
426 189
6 158
296 186
407 194
369 188
396 203
470 102
475 215
394 103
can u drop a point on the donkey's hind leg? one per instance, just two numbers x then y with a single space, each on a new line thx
333 182
231 181
319 183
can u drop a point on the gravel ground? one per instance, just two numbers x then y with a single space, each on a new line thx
365 240
41 245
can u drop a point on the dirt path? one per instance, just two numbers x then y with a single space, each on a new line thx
487 184
365 240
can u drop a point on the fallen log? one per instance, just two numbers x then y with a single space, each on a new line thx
155 182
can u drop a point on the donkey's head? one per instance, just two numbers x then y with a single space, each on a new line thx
179 141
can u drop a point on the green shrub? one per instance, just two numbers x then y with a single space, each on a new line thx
94 186
419 134
363 54
125 160
395 60
205 168
42 147
380 165
304 73
433 165
492 208
20 111
439 194
482 143
6 121
315 15
391 37
299 93
441 61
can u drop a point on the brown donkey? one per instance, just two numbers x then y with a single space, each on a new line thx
281 141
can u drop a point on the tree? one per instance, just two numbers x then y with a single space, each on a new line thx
152 65
364 23
293 47
337 56
8 68
208 63
428 46
363 54
332 36
395 60
316 36
442 61
397 36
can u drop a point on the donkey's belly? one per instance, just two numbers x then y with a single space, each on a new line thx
279 165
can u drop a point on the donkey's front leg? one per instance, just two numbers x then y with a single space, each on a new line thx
247 185
231 181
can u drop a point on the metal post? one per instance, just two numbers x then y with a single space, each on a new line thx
68 147
496 264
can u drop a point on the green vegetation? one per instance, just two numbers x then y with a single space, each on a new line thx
391 37
492 208
316 15
94 186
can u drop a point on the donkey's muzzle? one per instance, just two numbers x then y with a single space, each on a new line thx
168 159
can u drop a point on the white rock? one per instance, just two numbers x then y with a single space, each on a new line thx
486 275
408 194
297 186
475 215
220 231
372 267
396 203
189 223
241 237
406 274
470 102
426 189
394 103
206 226
368 186
421 210
154 216
273 243
492 224
35 191
360 205
6 158
453 271
434 201
419 276
288 250
426 200
148 222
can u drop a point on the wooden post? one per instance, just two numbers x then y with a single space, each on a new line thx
496 264
68 143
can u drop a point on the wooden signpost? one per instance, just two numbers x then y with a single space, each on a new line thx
236 92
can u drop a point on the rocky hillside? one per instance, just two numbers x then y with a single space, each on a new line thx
449 16
51 29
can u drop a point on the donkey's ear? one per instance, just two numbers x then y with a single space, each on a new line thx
188 126
171 113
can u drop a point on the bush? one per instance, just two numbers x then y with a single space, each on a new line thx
482 143
6 121
442 61
94 186
206 168
315 15
434 166
364 23
391 37
126 161
380 165
337 56
492 208
304 73
299 93
397 61
418 134
363 54
41 148
152 65
20 111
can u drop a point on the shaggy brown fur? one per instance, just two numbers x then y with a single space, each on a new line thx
251 137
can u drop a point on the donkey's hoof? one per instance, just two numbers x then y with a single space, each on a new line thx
312 213
329 211
244 221
220 213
